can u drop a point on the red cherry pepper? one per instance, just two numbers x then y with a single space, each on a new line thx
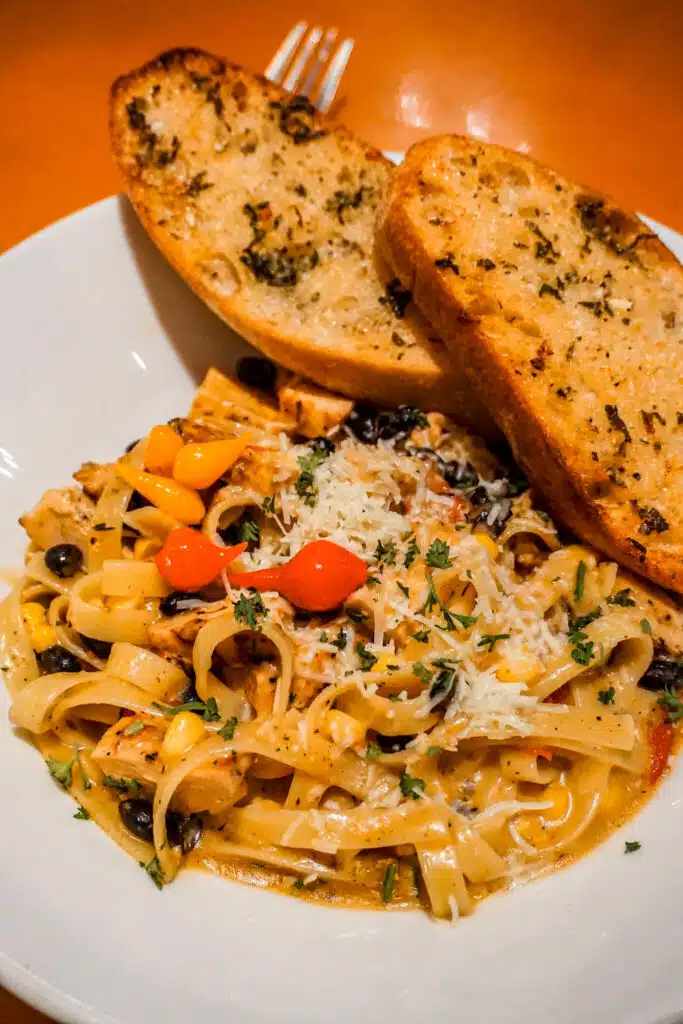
661 742
319 578
189 560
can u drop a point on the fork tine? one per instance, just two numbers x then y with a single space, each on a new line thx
278 65
319 62
330 82
291 82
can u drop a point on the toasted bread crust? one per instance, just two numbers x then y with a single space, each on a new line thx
567 308
211 160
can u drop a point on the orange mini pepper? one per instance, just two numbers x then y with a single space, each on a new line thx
189 560
200 465
162 444
165 494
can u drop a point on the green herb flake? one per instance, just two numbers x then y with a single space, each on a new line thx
356 615
373 751
645 626
622 599
671 704
268 506
412 551
489 640
630 846
366 657
134 728
606 696
404 590
438 555
250 532
340 640
580 581
155 871
422 673
434 751
81 814
248 608
411 787
385 554
209 710
304 485
388 883
228 730
422 636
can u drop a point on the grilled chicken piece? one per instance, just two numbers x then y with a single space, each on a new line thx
93 478
60 517
316 411
212 788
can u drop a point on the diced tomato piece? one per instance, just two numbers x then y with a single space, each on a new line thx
661 742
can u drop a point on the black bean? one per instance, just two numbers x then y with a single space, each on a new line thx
179 601
479 496
182 831
64 560
400 423
662 672
100 648
58 659
392 744
257 373
322 444
460 475
138 817
363 423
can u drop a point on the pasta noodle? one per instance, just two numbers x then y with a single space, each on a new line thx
489 704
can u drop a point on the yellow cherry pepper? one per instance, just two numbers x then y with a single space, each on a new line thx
201 465
168 495
162 444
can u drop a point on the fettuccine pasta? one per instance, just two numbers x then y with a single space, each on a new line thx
488 704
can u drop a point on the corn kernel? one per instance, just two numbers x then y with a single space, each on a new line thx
487 542
519 668
32 613
343 729
42 637
185 730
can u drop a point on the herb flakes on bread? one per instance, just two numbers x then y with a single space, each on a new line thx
570 312
267 209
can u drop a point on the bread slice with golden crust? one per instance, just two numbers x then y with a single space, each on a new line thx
570 313
267 209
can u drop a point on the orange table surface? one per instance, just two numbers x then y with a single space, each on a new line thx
594 88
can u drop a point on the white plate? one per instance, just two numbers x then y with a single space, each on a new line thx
100 340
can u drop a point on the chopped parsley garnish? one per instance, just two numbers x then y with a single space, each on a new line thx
247 608
443 682
209 710
304 485
155 871
228 730
581 621
356 615
340 640
134 728
489 640
268 506
582 648
121 785
622 598
373 751
445 662
451 618
298 884
412 551
385 554
411 787
422 673
422 636
438 554
434 751
645 626
671 704
82 814
367 658
606 696
404 590
373 579
62 771
324 638
388 883
580 581
630 846
250 531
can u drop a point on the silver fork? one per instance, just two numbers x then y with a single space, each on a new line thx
308 63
